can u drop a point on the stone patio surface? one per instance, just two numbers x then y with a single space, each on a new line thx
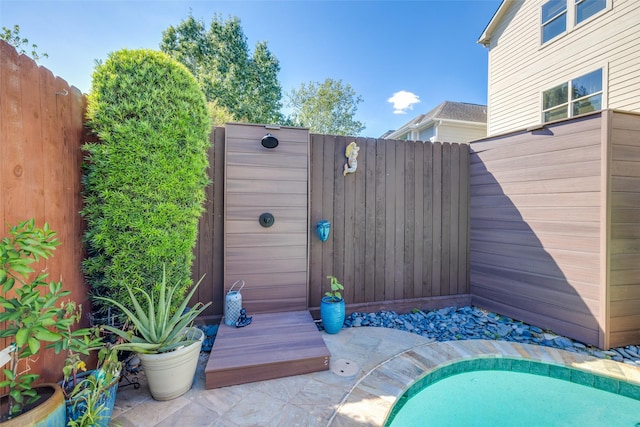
370 369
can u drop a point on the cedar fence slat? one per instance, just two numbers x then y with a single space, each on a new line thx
41 135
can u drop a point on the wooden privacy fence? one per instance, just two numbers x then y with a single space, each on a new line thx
399 225
41 132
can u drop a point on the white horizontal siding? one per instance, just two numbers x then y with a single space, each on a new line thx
520 68
460 133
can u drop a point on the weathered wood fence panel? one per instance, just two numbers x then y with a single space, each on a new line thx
399 224
41 134
208 259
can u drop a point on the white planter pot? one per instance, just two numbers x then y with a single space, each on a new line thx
170 375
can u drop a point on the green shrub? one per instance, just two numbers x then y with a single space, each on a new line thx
144 180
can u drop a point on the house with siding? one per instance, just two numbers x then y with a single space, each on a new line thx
555 187
448 122
556 59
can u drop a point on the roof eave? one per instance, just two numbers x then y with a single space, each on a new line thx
463 122
485 38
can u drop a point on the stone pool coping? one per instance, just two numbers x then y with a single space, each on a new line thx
371 399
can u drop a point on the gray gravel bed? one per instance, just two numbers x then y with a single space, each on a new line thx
463 323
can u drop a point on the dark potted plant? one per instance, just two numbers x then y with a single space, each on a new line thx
332 308
166 341
89 395
30 316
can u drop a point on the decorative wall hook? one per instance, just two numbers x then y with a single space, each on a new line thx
323 227
352 158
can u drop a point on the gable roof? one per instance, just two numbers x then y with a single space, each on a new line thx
460 111
448 110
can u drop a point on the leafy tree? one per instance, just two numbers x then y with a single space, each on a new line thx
13 38
144 180
244 85
328 107
219 115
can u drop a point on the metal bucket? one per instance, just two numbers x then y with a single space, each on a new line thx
233 304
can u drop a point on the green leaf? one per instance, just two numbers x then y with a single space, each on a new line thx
29 378
43 334
22 336
9 374
34 345
16 395
8 285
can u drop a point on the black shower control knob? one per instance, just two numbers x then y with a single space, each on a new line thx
266 220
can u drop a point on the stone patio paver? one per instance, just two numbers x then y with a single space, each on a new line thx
387 362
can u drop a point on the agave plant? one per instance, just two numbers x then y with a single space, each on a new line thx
157 330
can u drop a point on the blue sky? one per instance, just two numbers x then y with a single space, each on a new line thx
402 57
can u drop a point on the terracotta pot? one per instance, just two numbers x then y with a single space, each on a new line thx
170 374
48 411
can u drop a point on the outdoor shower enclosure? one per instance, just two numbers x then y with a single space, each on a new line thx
266 215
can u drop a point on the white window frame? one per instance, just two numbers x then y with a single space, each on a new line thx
561 15
606 7
568 104
571 17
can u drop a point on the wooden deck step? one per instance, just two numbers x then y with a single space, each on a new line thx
274 345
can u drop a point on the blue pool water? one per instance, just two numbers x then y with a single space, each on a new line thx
511 398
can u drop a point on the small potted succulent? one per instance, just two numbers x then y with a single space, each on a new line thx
166 342
332 307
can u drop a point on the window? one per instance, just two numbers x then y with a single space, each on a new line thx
578 96
586 93
554 19
588 8
558 17
554 103
427 133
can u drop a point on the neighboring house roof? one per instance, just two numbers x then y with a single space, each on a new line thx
386 134
449 111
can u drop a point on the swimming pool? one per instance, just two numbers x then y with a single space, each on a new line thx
516 392
380 387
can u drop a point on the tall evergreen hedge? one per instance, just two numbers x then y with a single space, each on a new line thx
144 180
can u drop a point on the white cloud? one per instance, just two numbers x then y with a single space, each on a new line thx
403 101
